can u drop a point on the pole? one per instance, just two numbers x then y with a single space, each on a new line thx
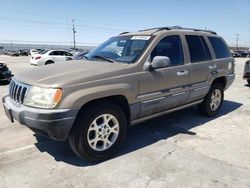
74 34
237 41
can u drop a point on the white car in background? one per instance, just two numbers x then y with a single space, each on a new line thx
50 57
35 51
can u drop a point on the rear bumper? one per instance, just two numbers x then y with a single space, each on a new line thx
55 123
230 80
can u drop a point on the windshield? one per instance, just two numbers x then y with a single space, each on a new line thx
120 49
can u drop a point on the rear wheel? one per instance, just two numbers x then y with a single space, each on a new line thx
248 81
213 101
99 131
49 62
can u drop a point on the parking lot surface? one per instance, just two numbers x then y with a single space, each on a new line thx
182 149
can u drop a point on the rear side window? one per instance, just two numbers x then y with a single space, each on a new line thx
54 53
171 47
198 49
67 54
220 48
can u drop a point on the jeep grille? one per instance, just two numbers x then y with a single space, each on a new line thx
17 91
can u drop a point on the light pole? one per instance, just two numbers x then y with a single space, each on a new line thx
237 40
74 33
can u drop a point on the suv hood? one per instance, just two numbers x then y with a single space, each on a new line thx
72 72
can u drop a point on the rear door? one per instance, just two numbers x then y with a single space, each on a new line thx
200 66
54 56
223 56
61 57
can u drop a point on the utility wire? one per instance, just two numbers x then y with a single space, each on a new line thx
59 24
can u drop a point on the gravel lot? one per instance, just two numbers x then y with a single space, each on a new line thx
182 149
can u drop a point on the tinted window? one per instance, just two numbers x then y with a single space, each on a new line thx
198 49
61 53
206 49
220 48
67 54
54 53
171 47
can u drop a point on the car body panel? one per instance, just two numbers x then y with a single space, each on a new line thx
148 93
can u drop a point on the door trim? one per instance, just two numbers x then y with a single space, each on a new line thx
164 112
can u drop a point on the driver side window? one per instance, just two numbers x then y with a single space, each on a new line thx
171 47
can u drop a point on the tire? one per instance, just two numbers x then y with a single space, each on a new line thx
85 132
49 62
210 107
248 81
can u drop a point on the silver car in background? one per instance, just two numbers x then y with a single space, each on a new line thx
247 72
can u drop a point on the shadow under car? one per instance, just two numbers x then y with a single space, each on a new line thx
141 135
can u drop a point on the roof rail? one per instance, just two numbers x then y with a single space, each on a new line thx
180 28
124 33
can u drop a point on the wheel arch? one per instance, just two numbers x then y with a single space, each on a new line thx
119 100
222 80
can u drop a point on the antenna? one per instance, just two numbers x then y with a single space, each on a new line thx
74 33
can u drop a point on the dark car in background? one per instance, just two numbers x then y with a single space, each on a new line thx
24 52
247 72
5 73
243 53
235 54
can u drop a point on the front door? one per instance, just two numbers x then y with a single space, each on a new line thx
165 88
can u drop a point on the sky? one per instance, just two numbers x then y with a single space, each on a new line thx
50 21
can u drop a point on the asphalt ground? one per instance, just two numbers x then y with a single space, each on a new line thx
181 149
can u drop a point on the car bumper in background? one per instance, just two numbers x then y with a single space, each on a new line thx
246 75
55 123
247 70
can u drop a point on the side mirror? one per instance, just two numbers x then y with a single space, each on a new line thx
158 63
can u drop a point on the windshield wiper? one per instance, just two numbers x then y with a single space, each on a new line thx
104 58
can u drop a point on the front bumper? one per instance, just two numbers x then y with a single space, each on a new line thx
55 123
230 80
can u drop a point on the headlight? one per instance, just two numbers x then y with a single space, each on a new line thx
43 97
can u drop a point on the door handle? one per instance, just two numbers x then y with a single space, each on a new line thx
212 66
182 73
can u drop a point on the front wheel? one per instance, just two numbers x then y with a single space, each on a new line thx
213 101
99 131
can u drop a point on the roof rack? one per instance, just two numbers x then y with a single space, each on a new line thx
178 27
124 33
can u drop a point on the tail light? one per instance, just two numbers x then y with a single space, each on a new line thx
38 57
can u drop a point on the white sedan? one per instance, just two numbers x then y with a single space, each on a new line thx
50 57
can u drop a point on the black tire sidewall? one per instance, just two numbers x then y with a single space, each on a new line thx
49 62
83 148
